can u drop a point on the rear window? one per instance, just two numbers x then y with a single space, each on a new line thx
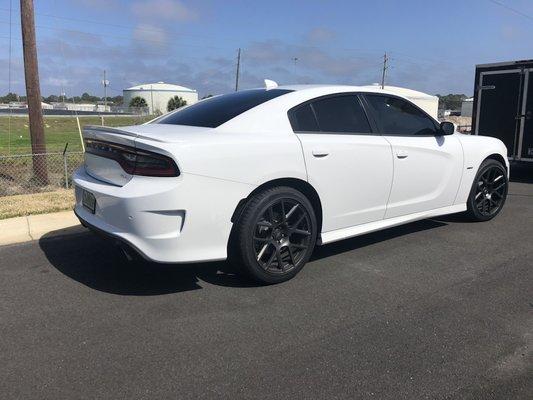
213 112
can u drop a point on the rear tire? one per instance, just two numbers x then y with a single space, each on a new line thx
489 191
275 234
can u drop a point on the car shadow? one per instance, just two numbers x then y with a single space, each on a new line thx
100 265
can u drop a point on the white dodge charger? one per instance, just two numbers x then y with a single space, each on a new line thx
263 175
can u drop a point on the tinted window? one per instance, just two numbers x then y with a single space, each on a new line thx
399 117
303 119
341 114
215 111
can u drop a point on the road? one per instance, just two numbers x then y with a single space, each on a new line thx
434 309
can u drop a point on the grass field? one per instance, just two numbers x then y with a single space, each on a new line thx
36 203
15 134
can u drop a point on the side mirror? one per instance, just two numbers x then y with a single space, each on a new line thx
447 128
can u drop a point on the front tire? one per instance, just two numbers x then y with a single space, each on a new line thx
275 234
489 191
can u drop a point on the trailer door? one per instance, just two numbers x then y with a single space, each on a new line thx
499 105
526 130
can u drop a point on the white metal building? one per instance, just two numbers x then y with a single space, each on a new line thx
158 94
466 107
426 102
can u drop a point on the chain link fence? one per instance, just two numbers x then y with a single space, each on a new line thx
34 173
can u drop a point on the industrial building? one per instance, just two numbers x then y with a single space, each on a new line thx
158 94
467 107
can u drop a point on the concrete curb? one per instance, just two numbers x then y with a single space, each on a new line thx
34 227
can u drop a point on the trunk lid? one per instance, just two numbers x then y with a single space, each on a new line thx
105 169
109 170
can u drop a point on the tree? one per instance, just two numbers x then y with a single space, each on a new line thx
451 101
176 102
10 97
206 97
51 99
117 100
86 97
138 101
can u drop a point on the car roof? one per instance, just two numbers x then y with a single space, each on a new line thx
375 88
271 116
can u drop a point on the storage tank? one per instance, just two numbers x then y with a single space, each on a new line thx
158 94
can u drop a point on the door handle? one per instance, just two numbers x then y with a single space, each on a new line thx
402 154
320 153
527 115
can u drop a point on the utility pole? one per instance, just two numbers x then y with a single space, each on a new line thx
385 66
238 68
105 82
33 91
152 98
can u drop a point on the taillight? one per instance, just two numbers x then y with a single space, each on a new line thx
132 160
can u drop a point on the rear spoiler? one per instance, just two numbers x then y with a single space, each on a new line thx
108 129
116 131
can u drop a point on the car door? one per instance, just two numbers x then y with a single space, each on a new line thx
427 165
349 165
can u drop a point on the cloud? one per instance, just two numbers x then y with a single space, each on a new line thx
319 35
166 10
52 81
75 63
324 65
150 33
96 4
511 32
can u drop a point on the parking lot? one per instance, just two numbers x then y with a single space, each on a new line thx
435 309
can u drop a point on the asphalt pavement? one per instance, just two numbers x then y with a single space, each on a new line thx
437 309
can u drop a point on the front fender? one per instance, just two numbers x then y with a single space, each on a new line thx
477 149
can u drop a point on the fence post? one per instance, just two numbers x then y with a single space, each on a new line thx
65 165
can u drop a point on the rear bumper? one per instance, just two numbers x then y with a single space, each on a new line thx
166 220
128 248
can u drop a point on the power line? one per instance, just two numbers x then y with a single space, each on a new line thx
155 29
358 50
104 35
133 27
514 10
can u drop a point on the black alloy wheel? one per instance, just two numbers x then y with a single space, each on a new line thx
275 234
489 191
282 236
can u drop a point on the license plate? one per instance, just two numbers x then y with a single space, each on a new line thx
88 201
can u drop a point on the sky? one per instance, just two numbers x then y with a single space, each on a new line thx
433 46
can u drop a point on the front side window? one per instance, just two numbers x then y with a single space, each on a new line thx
396 116
337 114
215 111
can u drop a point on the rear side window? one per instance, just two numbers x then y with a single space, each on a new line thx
341 114
336 114
399 117
215 111
303 119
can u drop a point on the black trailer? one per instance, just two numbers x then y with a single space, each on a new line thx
503 106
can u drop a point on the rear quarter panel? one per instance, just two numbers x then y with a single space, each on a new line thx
244 157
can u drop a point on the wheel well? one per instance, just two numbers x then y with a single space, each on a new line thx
497 157
298 184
